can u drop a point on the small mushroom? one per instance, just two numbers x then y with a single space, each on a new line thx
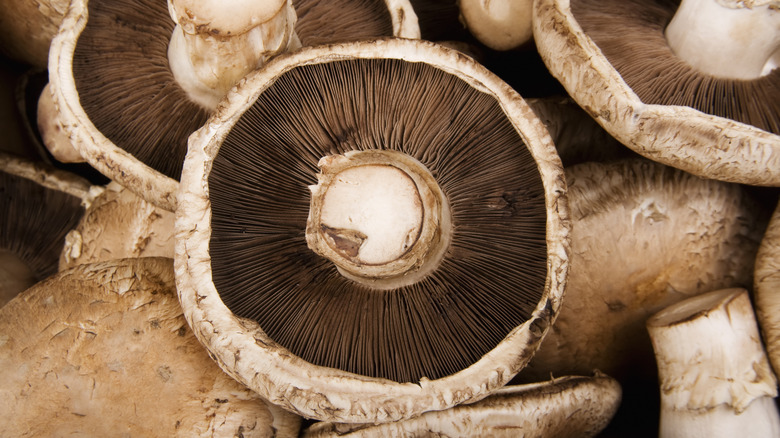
615 60
39 205
715 377
118 224
103 350
128 99
498 24
766 289
424 265
572 406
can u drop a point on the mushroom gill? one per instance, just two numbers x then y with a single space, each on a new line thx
334 21
492 275
124 84
630 33
38 206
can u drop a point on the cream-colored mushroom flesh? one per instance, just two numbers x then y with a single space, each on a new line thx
631 36
103 350
493 272
566 407
36 216
371 230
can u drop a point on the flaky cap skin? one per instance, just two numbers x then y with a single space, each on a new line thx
246 352
102 349
705 145
566 407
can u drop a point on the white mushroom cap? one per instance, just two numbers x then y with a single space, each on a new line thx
246 352
103 349
679 136
566 407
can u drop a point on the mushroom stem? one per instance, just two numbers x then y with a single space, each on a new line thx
216 43
498 24
379 216
714 374
727 38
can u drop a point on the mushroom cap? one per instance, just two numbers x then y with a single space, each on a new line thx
246 352
571 406
96 133
28 28
39 205
679 136
665 235
103 348
118 224
766 289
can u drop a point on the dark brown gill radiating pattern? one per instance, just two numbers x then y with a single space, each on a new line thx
492 276
340 21
630 33
125 86
35 221
127 90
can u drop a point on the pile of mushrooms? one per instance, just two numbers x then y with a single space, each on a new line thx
380 218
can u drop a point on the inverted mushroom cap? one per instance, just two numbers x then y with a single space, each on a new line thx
284 320
570 406
102 349
731 139
133 124
39 205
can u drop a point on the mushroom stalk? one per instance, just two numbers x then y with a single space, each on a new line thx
216 43
714 374
379 216
727 38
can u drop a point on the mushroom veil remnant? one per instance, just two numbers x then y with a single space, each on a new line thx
691 84
133 79
372 230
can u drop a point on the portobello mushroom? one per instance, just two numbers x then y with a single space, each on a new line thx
131 87
294 281
618 60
